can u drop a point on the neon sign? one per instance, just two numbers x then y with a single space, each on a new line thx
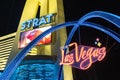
82 57
35 23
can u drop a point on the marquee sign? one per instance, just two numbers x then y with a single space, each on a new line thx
82 57
37 26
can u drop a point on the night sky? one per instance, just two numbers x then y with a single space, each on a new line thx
109 68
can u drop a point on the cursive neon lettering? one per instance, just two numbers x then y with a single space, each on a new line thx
83 56
67 60
102 53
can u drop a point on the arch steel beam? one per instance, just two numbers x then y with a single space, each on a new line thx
107 16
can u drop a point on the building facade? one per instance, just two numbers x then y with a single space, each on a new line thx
37 16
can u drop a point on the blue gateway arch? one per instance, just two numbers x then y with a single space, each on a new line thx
114 19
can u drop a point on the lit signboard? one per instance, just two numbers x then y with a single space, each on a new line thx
30 29
82 57
35 23
27 36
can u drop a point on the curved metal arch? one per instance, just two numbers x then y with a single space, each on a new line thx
94 14
114 19
101 28
16 61
20 56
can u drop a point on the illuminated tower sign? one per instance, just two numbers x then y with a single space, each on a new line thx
32 28
35 23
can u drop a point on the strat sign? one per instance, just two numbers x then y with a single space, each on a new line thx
35 23
82 57
38 26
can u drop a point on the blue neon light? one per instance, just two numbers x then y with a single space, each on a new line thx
105 15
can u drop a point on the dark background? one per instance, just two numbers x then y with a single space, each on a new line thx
108 69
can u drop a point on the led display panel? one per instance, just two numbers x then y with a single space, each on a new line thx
27 36
35 70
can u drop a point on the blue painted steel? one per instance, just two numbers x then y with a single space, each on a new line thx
95 14
75 24
20 56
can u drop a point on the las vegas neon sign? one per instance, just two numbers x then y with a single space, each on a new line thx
82 57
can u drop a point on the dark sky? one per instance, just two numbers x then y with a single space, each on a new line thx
11 11
108 69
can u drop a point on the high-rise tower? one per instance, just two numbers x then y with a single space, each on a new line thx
37 16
